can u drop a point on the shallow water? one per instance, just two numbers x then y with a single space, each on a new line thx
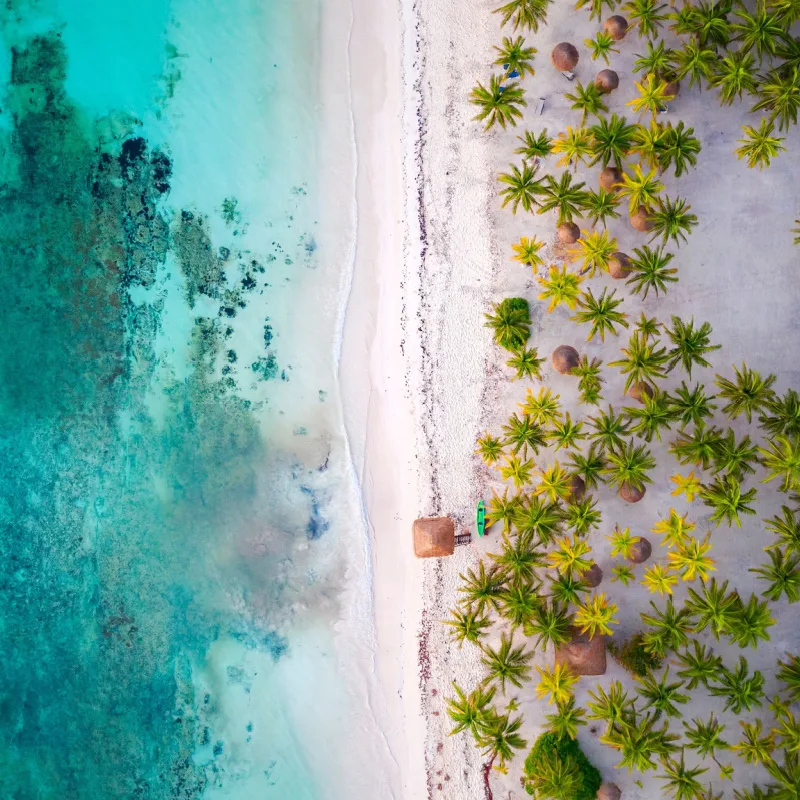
177 507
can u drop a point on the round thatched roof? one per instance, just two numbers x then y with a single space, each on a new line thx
568 233
630 494
434 536
639 390
593 576
619 266
582 655
609 791
673 88
606 80
641 220
609 178
640 551
577 489
616 27
565 358
565 56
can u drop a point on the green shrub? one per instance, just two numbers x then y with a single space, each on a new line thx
518 304
633 656
548 750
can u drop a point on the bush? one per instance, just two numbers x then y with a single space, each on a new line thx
517 304
548 750
633 656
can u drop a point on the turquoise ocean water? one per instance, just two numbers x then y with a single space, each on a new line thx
177 509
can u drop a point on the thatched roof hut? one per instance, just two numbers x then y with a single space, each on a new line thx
565 56
593 576
641 550
609 178
609 791
630 493
619 266
606 80
616 27
434 537
639 390
577 489
568 233
583 655
641 220
565 358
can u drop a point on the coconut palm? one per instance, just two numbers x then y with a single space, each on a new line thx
472 711
499 738
555 684
695 61
596 7
521 187
544 408
649 328
690 559
596 249
574 145
759 147
751 623
681 781
656 61
691 405
651 417
610 428
507 664
706 737
650 270
672 219
518 558
510 324
565 722
782 574
747 394
734 75
659 578
755 747
568 589
639 742
556 483
789 676
524 13
781 459
481 589
780 96
551 623
688 485
760 31
534 146
669 629
571 556
582 516
622 542
589 380
588 466
601 46
781 414
517 471
648 144
498 104
623 573
644 361
468 625
596 616
727 500
675 529
533 515
611 140
713 607
502 509
652 96
678 147
740 689
560 286
563 195
699 447
522 433
557 778
490 448
518 603
566 433
707 22
601 206
526 363
527 252
628 466
787 776
641 189
513 56
588 100
601 312
612 707
646 16
735 458
661 695
700 665
690 344
787 528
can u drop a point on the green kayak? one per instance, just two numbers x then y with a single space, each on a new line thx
480 518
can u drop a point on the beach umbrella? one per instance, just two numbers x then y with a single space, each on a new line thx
639 390
640 551
616 27
609 178
641 220
565 359
609 791
630 493
606 80
619 266
568 233
593 576
565 56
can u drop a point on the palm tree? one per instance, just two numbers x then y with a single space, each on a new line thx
481 589
627 467
610 428
566 433
490 448
533 146
588 100
783 575
472 711
600 206
526 363
601 312
675 529
694 60
521 187
563 195
550 624
727 500
556 778
656 61
648 144
652 96
560 286
787 528
750 392
556 483
787 775
589 380
571 556
511 325
646 15
601 46
681 781
566 721
596 7
699 447
690 559
735 458
596 616
789 676
535 516
782 460
690 344
502 509
596 249
760 32
650 270
498 104
654 414
649 328
688 486
759 147
751 623
734 74
641 189
678 147
669 629
523 433
755 748
639 742
544 408
507 664
691 405
623 573
643 362
519 558
582 516
519 601
468 626
714 607
659 578
706 737
513 56
575 145
527 252
782 415
706 21
622 542
700 665
612 707
740 690
780 96
499 737
661 695
588 466
517 471
524 13
672 219
611 140
555 684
